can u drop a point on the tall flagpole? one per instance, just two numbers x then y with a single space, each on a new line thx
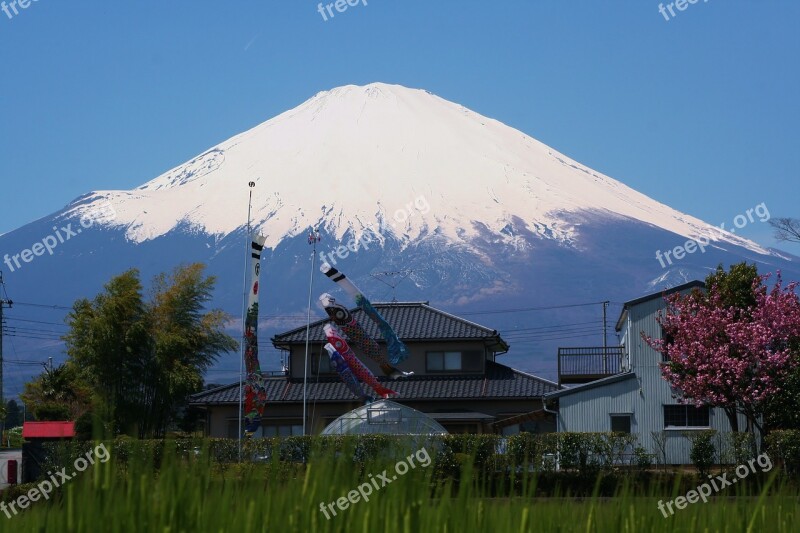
313 239
248 238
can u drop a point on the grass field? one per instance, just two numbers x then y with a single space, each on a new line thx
197 495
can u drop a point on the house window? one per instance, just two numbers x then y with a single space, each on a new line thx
321 364
443 361
682 416
466 361
621 423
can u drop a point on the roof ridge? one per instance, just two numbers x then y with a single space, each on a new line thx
390 304
533 376
413 311
458 318
300 328
665 292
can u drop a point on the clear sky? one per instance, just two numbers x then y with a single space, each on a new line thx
700 111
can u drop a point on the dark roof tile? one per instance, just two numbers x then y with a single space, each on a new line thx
500 382
415 321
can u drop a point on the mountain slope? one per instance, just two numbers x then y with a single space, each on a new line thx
350 157
482 219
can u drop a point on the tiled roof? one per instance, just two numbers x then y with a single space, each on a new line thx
592 384
500 382
414 321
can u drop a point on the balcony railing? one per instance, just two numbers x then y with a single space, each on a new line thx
581 365
274 373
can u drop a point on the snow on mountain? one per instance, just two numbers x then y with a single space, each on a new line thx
352 157
481 218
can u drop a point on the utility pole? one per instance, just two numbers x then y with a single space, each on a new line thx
3 303
313 239
605 341
247 246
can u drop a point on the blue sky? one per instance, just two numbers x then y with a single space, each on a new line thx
700 111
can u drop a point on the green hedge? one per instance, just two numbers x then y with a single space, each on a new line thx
521 464
784 446
578 452
583 453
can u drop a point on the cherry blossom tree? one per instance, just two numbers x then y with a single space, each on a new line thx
727 356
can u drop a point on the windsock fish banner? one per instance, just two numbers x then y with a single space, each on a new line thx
347 376
397 350
358 369
356 334
255 394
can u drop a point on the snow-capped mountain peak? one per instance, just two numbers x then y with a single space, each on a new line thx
358 157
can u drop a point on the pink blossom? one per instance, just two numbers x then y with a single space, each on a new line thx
725 357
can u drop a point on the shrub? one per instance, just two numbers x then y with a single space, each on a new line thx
582 451
660 443
52 411
15 491
526 450
784 445
703 452
14 436
641 459
613 446
739 447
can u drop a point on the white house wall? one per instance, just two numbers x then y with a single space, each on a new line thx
590 410
643 396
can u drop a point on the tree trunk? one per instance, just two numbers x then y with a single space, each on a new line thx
733 419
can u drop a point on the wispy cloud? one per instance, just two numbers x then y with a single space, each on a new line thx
248 45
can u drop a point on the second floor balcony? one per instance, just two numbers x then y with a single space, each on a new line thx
582 365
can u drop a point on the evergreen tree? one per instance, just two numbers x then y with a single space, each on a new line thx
143 359
58 394
13 415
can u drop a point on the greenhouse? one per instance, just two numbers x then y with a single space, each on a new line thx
384 417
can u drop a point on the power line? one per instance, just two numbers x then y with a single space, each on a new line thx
36 321
25 329
551 331
526 309
303 317
554 337
47 306
23 362
35 337
510 331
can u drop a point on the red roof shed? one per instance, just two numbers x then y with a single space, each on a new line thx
48 430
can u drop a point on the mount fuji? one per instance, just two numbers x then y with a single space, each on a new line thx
474 216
